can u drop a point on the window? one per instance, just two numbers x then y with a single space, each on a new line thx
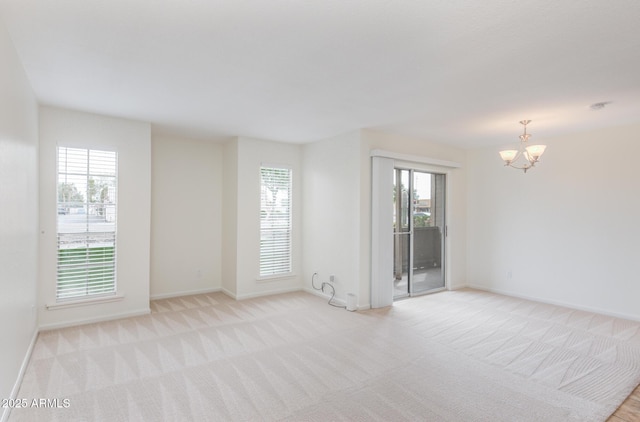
86 223
275 221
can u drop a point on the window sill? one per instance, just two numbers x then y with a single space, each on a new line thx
264 279
84 302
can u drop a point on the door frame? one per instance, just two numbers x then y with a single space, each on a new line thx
397 170
382 168
412 168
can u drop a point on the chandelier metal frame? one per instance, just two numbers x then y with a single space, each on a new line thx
527 154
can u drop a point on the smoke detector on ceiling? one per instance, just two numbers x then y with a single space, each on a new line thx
599 106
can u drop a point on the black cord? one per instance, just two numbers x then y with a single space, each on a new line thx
333 294
313 277
321 288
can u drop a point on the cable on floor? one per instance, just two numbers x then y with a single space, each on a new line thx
321 288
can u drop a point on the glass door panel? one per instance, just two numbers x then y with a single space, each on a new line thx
427 232
401 265
401 233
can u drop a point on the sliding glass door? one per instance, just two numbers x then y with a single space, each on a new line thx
418 232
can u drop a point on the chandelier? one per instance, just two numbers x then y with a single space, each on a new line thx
526 156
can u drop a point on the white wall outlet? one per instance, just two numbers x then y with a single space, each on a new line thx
332 278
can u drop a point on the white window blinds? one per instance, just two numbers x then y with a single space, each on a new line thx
275 221
86 223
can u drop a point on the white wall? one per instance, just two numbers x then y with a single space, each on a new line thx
18 214
132 141
332 213
229 246
567 231
186 216
251 154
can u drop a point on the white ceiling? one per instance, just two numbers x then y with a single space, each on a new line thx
462 72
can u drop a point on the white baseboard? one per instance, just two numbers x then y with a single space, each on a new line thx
556 302
229 293
55 325
265 293
325 296
185 293
336 300
23 368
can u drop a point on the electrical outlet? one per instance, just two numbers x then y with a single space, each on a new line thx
199 273
332 278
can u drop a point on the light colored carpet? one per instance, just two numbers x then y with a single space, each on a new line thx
452 356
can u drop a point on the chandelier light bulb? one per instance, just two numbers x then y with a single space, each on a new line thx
508 155
536 151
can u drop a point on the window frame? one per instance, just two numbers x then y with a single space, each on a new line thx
107 264
288 270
